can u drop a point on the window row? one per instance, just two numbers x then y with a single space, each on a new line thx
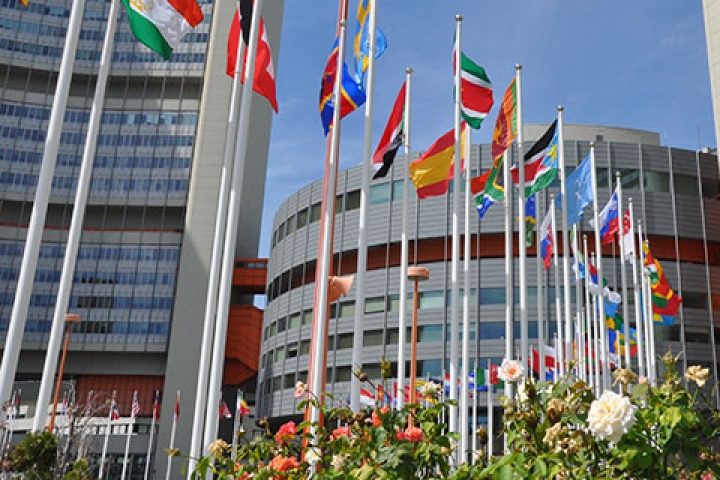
99 252
142 328
98 278
102 161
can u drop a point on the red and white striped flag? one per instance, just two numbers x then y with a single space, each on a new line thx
135 411
115 412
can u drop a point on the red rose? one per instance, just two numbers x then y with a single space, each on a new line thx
285 433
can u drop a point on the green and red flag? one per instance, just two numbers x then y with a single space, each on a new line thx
476 95
665 303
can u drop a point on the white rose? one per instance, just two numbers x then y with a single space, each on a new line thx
312 455
511 371
611 416
430 389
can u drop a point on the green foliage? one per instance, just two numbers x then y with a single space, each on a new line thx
553 431
35 455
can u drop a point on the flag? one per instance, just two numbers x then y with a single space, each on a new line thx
367 398
264 77
476 95
488 188
352 95
224 410
431 173
549 361
362 41
530 220
161 25
546 242
541 163
135 411
115 415
243 408
177 407
578 256
617 343
608 217
392 137
578 186
628 237
24 3
506 123
156 406
665 303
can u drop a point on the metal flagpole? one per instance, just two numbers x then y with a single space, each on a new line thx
522 256
599 266
455 260
103 456
127 439
13 340
673 202
464 420
233 217
636 294
509 281
362 233
152 434
490 422
594 369
540 207
236 422
565 239
649 321
558 303
600 365
172 434
215 261
404 247
623 274
316 370
73 242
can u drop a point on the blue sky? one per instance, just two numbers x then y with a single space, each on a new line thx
639 64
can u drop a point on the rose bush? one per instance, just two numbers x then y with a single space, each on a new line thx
553 430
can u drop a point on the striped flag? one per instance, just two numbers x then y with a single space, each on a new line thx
541 163
476 94
135 410
431 173
115 415
161 24
392 137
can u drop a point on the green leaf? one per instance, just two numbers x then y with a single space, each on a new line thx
671 417
640 391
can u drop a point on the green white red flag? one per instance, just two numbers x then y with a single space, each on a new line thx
476 95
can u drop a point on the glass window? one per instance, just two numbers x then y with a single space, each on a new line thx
602 178
304 347
431 368
694 300
292 350
379 193
281 324
289 381
629 178
352 200
492 296
710 188
492 330
280 354
430 300
345 340
685 185
656 181
430 333
339 204
290 225
273 329
302 218
372 337
315 212
347 309
696 334
374 305
294 320
342 374
307 317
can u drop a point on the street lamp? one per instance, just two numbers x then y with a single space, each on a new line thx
416 274
70 319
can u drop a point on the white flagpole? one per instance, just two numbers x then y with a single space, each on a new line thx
509 282
579 328
236 422
362 234
599 266
317 367
103 456
623 274
590 321
231 134
127 439
490 415
565 241
404 248
464 420
13 341
522 256
649 320
233 218
539 288
558 303
78 215
172 435
455 261
636 297
152 436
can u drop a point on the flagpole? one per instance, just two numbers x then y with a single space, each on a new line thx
599 266
81 194
464 420
558 303
509 282
236 426
522 256
317 363
455 260
103 456
127 439
172 435
152 435
233 218
636 293
23 290
231 134
649 320
601 365
404 245
539 288
362 233
580 324
623 273
490 416
594 369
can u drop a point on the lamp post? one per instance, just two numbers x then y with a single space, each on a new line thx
70 319
415 274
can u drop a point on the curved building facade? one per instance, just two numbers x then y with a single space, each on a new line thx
675 193
142 270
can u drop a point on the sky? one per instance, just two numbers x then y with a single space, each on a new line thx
638 64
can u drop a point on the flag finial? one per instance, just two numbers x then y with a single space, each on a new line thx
408 70
458 18
560 108
518 66
630 200
618 175
592 144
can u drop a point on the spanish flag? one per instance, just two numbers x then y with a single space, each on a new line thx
431 173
